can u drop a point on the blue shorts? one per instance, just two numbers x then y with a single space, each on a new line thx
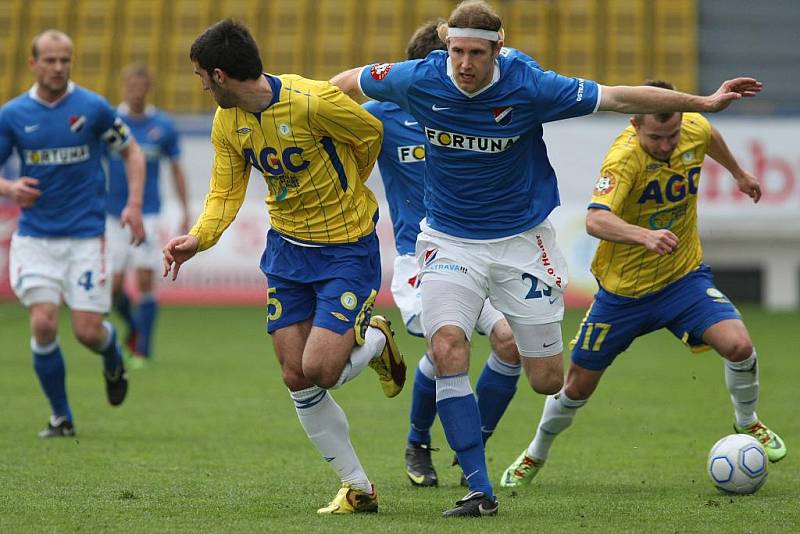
687 307
336 284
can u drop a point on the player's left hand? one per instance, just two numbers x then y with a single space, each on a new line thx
749 185
731 90
132 218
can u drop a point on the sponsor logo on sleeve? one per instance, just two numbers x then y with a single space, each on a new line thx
379 71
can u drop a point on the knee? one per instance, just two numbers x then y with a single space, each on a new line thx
575 391
504 344
294 379
44 328
320 374
548 382
738 349
90 335
449 350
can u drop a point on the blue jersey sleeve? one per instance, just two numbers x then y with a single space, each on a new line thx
557 97
374 109
514 53
389 81
6 137
172 142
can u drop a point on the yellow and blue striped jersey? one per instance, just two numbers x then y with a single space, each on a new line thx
653 194
315 148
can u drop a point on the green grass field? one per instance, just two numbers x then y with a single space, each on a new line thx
208 440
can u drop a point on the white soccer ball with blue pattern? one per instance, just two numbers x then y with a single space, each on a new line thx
738 464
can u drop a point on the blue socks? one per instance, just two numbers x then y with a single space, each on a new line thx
109 350
148 307
461 420
122 304
495 389
49 365
423 402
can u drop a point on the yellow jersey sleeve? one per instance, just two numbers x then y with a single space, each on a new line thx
339 117
617 175
229 176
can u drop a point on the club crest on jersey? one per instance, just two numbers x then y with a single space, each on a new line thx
154 133
379 71
604 185
76 123
502 115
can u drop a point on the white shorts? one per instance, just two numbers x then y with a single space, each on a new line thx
123 255
74 268
406 293
523 276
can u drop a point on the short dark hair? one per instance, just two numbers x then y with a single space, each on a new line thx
425 40
660 117
228 46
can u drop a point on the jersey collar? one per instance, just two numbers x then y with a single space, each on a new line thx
34 96
495 77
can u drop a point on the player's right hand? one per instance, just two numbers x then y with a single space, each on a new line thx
24 191
178 251
661 242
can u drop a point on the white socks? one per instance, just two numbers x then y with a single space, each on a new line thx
374 341
559 411
742 381
326 426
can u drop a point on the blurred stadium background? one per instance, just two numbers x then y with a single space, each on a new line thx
755 250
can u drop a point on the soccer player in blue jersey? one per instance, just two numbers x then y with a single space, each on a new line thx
402 169
59 251
315 148
649 266
489 188
157 136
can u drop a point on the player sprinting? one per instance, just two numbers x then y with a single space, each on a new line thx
649 266
315 148
489 190
156 134
59 249
402 167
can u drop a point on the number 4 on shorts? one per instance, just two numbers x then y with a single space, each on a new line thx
85 281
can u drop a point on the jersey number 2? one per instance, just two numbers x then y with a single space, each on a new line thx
534 293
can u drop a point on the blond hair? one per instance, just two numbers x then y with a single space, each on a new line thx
476 14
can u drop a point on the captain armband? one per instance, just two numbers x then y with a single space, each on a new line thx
117 136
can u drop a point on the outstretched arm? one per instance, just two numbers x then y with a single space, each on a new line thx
347 82
603 224
645 99
719 151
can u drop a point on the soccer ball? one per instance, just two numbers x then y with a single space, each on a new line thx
737 464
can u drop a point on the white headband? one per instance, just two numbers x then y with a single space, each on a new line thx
489 35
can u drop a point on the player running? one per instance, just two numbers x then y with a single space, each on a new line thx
156 134
402 167
649 266
59 249
315 149
489 188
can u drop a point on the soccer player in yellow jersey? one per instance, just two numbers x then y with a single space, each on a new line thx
315 148
649 266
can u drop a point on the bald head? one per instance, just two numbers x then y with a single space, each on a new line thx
47 37
51 63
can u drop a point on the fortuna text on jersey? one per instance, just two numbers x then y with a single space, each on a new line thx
474 143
